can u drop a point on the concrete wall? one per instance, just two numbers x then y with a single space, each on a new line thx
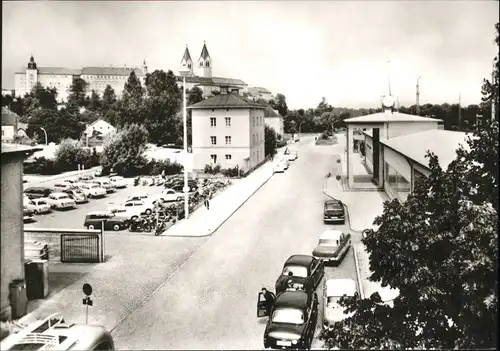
277 124
397 162
7 133
396 129
12 239
369 152
258 141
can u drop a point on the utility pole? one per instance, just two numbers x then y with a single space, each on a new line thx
389 76
494 96
418 97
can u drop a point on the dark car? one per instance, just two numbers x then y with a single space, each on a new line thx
94 220
334 211
36 192
179 187
306 273
292 320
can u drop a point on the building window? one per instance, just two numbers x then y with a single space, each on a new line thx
189 65
213 122
399 186
201 64
207 64
213 158
228 140
253 121
228 157
213 140
228 121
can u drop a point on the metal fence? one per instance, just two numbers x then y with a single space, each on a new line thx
81 248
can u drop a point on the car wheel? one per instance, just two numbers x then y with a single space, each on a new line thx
179 198
90 196
91 226
148 212
147 228
134 218
116 227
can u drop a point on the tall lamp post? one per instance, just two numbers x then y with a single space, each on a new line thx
184 71
45 132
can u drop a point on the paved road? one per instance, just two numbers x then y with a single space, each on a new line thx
210 301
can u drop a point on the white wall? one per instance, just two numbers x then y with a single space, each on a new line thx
257 147
276 123
397 162
369 151
62 82
403 128
7 133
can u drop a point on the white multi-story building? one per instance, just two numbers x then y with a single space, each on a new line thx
260 93
62 78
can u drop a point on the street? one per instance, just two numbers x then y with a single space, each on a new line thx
210 301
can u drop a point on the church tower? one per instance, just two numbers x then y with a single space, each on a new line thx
205 63
144 67
31 75
187 61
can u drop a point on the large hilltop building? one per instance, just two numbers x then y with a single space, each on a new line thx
61 78
200 75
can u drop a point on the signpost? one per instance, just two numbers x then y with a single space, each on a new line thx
87 301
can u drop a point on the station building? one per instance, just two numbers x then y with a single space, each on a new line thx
395 148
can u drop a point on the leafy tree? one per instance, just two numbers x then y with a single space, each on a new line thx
162 107
440 249
490 89
58 125
132 101
270 141
329 119
279 104
94 102
77 95
108 98
40 98
194 95
7 100
124 150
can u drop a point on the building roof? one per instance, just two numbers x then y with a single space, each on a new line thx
111 71
59 71
382 117
262 90
8 148
186 57
226 101
99 120
229 81
204 52
9 118
443 143
217 81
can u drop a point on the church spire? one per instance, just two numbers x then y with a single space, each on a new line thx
187 61
204 52
32 63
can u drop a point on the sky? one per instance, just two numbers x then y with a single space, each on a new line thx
302 49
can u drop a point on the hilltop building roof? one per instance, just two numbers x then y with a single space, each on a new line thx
226 101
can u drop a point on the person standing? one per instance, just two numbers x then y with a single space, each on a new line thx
270 297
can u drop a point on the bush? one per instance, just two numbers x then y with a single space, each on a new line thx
210 169
281 143
231 172
155 167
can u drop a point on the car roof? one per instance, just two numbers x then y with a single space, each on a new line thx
58 194
297 299
302 260
37 188
99 213
340 287
330 235
333 202
386 292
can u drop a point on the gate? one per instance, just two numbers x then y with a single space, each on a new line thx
80 248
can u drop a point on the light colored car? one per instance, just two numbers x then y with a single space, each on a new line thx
333 290
60 201
77 194
63 186
27 203
142 197
42 206
169 195
92 190
104 183
285 163
138 207
279 167
289 155
70 181
118 181
332 247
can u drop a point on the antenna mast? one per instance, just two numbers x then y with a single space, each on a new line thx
389 76
418 97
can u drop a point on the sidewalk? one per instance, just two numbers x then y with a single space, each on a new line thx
203 222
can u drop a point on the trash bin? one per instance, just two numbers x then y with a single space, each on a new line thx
17 297
37 279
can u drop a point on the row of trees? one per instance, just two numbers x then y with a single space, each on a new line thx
439 248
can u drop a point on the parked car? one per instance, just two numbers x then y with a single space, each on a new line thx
61 187
118 181
179 187
36 192
333 211
104 183
86 177
77 194
130 213
71 181
141 207
41 205
28 214
92 190
93 220
333 246
289 155
285 163
303 271
333 290
279 167
169 195
27 203
60 201
98 172
292 320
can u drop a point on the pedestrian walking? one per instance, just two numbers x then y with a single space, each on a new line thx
163 174
207 199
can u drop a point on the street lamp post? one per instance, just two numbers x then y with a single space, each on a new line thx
45 132
184 71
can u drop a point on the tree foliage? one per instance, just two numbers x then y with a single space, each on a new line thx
490 88
270 141
58 125
77 95
131 108
440 249
279 104
194 95
124 150
94 102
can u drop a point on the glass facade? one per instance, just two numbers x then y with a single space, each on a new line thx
398 185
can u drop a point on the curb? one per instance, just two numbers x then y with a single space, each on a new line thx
211 232
358 274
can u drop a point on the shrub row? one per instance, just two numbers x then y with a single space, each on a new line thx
152 168
47 166
228 172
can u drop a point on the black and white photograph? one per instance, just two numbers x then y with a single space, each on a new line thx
249 175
